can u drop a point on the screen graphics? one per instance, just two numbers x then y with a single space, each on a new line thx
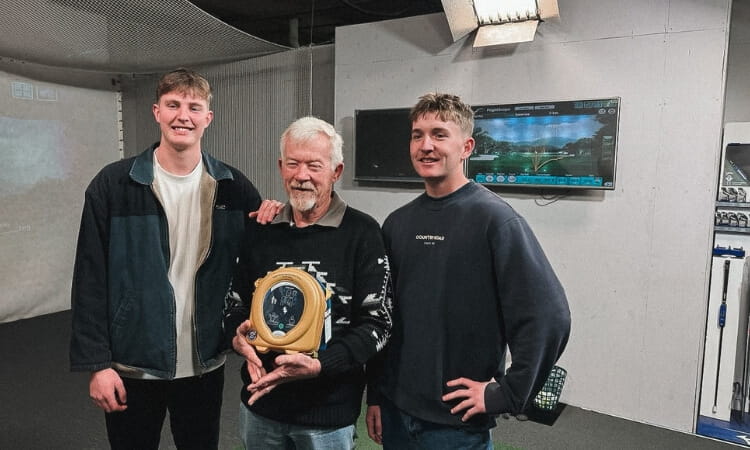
560 144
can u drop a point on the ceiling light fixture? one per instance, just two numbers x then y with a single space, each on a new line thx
498 22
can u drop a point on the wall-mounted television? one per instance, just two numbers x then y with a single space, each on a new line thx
381 146
561 144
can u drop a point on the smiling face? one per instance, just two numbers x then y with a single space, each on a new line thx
438 149
309 176
182 118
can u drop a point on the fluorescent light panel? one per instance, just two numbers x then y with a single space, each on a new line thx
497 22
504 11
505 33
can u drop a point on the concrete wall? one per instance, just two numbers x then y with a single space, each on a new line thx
634 260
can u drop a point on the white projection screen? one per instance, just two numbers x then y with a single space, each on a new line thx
53 138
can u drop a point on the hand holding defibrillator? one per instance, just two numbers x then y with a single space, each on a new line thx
254 365
297 366
287 316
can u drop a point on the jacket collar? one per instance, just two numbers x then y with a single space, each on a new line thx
142 170
332 217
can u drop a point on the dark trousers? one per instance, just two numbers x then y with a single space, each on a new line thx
402 431
194 406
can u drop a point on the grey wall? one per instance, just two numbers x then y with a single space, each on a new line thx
634 260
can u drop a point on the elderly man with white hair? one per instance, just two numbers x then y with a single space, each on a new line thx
311 400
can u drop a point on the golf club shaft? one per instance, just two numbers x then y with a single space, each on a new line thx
722 321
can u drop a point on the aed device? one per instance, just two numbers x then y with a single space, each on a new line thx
288 312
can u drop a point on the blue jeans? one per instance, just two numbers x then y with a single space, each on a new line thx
404 432
260 433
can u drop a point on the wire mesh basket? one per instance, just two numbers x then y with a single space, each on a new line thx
549 396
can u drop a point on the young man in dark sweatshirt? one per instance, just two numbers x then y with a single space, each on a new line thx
312 401
469 278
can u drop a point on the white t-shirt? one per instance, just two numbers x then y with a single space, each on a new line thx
180 197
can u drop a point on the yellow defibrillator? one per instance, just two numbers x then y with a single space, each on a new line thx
288 312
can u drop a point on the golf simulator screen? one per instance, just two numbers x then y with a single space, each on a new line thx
563 144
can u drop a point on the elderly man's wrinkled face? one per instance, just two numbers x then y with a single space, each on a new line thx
308 174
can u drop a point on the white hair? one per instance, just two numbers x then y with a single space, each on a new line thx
306 128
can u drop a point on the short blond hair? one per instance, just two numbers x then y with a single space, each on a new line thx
184 81
448 107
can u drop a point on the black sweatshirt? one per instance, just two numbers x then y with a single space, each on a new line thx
469 277
344 250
